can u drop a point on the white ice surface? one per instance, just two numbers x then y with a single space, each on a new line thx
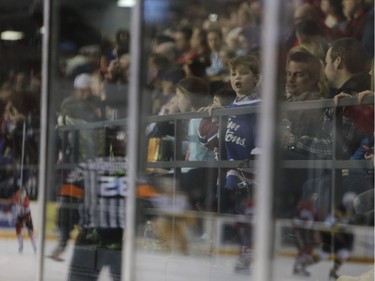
155 267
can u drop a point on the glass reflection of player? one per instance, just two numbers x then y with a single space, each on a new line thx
19 203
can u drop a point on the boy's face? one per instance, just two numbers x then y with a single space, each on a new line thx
243 80
298 79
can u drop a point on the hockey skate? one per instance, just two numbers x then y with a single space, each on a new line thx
244 261
56 254
300 270
333 275
20 243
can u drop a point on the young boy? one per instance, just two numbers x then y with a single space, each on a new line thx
240 141
240 137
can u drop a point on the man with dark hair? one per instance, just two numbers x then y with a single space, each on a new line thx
345 59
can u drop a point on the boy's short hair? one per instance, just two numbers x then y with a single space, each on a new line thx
226 96
249 61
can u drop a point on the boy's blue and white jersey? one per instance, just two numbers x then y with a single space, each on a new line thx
106 188
241 132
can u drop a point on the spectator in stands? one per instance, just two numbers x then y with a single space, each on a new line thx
356 17
209 126
196 67
215 42
79 108
240 143
199 44
157 65
199 183
122 41
116 87
310 36
231 40
304 11
347 71
302 84
245 18
169 82
182 36
256 9
199 58
170 79
169 50
333 16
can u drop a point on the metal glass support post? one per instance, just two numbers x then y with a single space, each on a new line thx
46 51
266 169
132 147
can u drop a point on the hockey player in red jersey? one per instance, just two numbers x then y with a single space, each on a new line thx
305 235
20 205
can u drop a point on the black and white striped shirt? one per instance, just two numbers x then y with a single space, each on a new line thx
105 184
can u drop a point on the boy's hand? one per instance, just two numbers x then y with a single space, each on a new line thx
209 108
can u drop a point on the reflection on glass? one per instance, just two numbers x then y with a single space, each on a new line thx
87 198
313 199
201 91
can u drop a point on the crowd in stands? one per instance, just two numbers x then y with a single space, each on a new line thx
197 62
326 50
20 117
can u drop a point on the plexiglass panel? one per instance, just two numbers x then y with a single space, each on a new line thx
203 91
87 169
204 156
